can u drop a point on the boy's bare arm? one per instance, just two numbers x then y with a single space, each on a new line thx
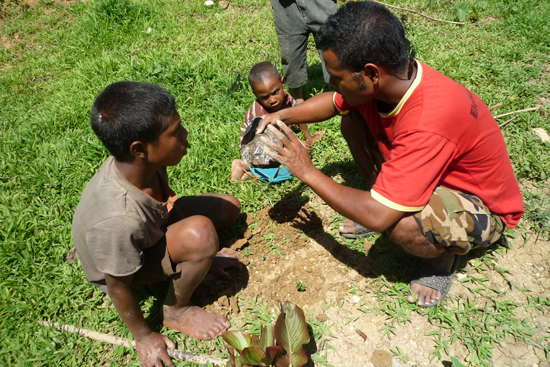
315 109
150 346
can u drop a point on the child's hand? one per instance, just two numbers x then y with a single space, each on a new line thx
152 352
317 136
225 258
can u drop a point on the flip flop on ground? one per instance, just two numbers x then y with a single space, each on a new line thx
359 231
437 279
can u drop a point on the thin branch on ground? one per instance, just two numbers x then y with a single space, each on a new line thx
519 111
416 12
508 121
115 340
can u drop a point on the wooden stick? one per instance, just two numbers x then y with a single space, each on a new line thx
115 340
425 16
508 121
519 111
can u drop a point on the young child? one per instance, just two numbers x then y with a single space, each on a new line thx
269 89
130 228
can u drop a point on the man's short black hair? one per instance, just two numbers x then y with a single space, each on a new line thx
261 72
365 32
125 112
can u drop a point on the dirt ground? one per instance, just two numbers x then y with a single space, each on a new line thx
291 241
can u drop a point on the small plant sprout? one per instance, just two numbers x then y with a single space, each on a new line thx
281 346
300 286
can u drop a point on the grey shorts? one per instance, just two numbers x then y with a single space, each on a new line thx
294 21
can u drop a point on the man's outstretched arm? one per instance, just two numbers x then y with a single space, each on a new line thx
357 205
315 109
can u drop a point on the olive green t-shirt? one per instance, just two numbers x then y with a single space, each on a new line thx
114 222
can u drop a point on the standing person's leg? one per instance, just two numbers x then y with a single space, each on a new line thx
368 159
316 14
292 34
450 225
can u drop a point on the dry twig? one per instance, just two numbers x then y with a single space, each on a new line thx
416 12
115 340
519 111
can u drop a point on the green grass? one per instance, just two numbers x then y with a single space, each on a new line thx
55 59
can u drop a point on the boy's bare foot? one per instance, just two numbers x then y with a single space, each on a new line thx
195 322
317 136
240 170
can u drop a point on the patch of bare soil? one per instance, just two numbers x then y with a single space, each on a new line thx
290 242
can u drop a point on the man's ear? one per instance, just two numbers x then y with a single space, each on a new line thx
372 71
283 81
138 149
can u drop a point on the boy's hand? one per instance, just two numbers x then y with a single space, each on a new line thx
152 350
225 258
293 155
269 119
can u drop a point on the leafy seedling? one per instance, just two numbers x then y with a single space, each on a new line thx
281 346
300 286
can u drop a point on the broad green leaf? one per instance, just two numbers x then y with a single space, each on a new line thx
291 333
266 336
456 362
237 339
252 355
461 11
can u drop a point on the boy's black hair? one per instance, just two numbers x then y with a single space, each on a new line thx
125 112
260 72
365 32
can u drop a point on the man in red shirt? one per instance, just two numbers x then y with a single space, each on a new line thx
441 178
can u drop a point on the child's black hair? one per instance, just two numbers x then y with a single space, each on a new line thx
365 32
125 112
261 72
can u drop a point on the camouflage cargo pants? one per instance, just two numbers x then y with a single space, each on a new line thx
459 221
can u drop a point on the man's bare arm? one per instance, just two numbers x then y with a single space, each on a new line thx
316 109
357 205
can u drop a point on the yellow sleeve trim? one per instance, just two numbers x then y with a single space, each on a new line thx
339 110
390 204
411 89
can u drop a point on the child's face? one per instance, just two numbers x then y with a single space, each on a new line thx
270 93
171 145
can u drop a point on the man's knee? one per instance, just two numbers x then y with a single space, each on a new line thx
407 234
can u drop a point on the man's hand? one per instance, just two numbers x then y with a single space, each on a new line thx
269 119
225 258
152 352
293 155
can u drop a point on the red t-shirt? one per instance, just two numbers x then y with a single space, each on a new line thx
440 134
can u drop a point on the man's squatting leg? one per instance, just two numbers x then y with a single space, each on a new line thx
408 235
